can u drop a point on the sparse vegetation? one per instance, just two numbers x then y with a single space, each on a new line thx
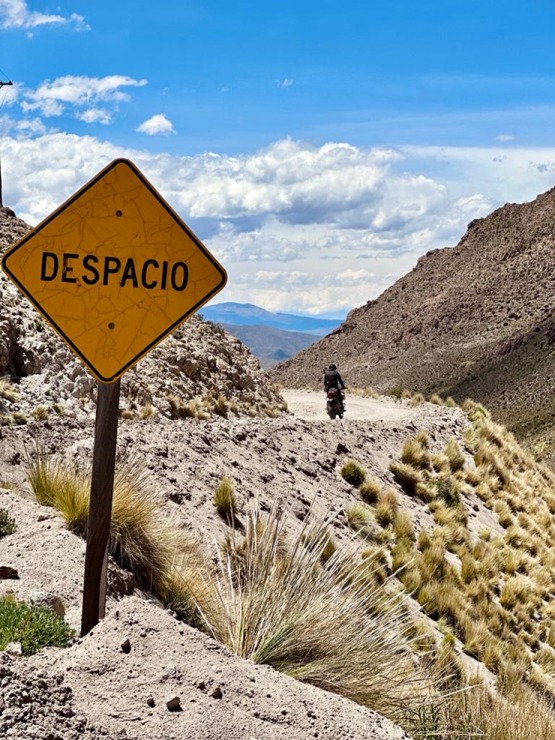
34 627
407 476
160 555
493 592
361 518
369 490
40 413
490 595
364 392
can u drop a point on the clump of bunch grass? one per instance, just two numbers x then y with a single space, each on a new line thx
147 411
7 391
318 623
407 476
366 392
158 552
221 406
225 500
41 412
370 490
353 472
32 626
361 519
387 507
454 455
416 451
417 400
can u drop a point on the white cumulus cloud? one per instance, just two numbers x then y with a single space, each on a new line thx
95 115
157 124
15 14
298 227
71 91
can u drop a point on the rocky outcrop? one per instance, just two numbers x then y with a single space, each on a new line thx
198 370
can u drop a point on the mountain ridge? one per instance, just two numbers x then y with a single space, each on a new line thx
474 319
248 314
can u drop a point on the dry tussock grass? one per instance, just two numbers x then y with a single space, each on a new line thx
7 390
319 624
499 600
159 553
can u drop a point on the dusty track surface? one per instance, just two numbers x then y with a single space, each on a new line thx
310 405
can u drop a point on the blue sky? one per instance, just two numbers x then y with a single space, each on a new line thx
317 148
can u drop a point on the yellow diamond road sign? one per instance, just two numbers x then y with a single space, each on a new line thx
114 270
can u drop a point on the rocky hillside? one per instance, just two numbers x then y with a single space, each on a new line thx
474 320
452 502
197 371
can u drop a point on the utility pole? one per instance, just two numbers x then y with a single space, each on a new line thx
2 84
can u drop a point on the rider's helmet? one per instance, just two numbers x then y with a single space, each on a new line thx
332 367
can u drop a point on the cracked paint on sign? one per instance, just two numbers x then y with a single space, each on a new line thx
114 270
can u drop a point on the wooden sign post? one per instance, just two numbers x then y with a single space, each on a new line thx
114 270
100 505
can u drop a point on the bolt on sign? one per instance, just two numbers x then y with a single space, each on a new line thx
114 270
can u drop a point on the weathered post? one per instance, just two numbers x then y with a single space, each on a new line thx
100 505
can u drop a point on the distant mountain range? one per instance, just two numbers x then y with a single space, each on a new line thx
271 337
246 314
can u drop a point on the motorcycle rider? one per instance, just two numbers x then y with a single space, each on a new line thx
332 379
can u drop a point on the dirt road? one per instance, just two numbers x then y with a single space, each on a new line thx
312 405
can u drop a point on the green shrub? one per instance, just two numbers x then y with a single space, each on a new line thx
353 472
7 523
34 627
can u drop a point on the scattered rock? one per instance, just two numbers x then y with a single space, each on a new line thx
50 600
13 648
173 703
6 573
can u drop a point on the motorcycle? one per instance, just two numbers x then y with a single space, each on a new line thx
334 403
